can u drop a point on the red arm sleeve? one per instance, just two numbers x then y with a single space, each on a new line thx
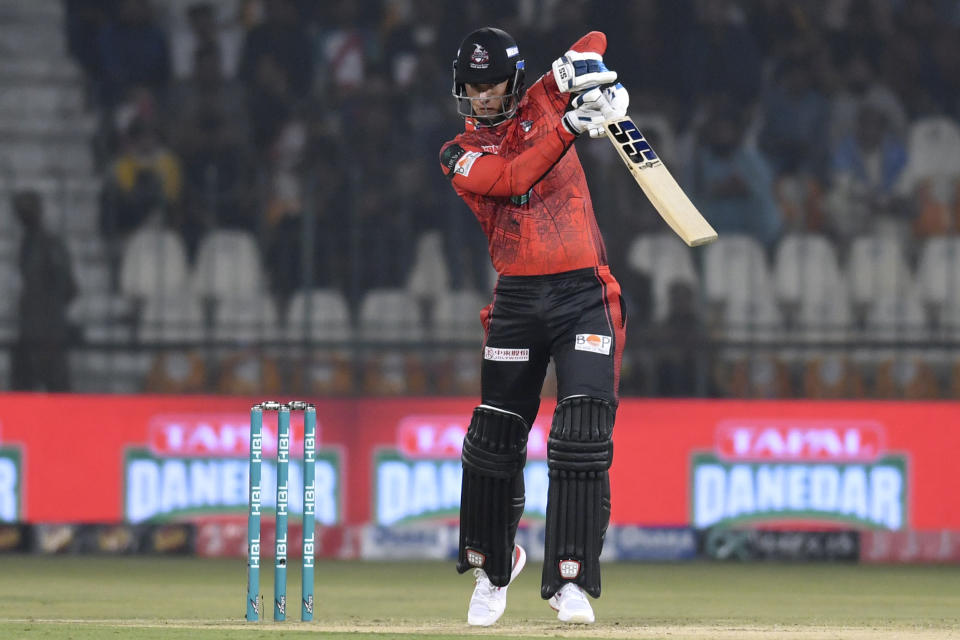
491 175
595 41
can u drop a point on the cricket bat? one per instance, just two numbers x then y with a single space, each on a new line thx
648 170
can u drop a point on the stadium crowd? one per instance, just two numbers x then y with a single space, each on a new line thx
813 135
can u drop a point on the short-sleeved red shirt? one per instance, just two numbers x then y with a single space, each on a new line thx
525 184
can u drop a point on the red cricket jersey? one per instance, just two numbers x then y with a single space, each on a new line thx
525 184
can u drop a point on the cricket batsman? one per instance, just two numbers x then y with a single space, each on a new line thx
516 168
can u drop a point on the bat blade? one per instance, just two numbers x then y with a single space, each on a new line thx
658 184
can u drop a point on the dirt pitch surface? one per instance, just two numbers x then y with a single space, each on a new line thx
83 598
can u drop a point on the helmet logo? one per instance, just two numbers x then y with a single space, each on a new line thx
479 59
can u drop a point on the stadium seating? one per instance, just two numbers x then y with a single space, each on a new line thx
832 376
390 321
228 265
820 293
429 276
109 360
901 373
665 259
803 263
243 326
153 264
759 375
938 271
877 268
735 272
320 315
456 318
172 319
9 292
933 153
246 321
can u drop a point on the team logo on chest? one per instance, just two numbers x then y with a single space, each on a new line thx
480 58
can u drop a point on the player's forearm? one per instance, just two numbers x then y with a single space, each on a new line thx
493 176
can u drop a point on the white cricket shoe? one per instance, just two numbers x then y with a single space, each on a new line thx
489 601
572 605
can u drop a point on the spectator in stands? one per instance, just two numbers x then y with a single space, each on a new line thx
344 45
329 195
271 104
84 21
133 51
795 113
858 81
386 239
208 89
653 28
144 180
48 286
283 38
216 179
945 53
203 29
731 181
865 168
718 53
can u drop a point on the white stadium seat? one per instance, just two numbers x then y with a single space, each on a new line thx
429 275
938 270
390 315
246 320
877 268
824 313
735 268
665 259
319 314
896 319
805 265
172 319
752 319
456 316
154 263
229 266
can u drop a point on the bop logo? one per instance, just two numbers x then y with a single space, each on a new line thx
10 485
806 470
633 144
198 465
420 477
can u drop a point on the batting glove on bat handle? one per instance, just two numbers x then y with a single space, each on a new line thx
575 71
618 99
591 109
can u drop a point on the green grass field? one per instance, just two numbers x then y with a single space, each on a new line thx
131 598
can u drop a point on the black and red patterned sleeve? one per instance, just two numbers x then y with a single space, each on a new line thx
490 175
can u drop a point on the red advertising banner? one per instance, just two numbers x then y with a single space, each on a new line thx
88 458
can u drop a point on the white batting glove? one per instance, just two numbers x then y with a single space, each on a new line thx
575 71
594 107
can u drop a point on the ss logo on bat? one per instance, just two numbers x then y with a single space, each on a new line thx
634 145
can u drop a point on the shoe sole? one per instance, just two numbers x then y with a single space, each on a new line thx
577 618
